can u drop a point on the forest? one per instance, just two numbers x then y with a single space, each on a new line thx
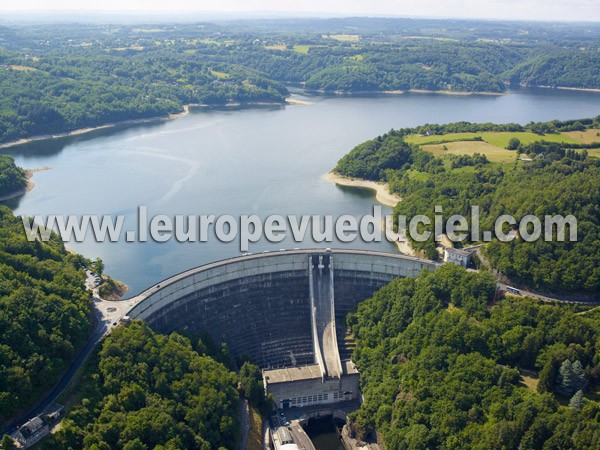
560 179
57 79
446 365
12 178
144 390
44 313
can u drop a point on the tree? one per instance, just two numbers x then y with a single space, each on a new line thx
250 379
577 400
136 444
7 442
152 391
580 377
250 383
513 144
97 266
571 378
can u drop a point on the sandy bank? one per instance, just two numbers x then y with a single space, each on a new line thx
425 91
569 88
186 111
30 184
400 92
100 127
295 101
382 194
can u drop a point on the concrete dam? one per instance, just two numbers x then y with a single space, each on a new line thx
285 310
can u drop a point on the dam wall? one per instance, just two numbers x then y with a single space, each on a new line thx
259 304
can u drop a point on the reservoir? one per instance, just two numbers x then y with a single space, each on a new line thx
263 160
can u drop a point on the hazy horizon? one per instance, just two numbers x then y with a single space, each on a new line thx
528 10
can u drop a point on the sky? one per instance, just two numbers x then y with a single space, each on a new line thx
554 10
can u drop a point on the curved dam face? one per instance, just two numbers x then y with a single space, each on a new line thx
261 305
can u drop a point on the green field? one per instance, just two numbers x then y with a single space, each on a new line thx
276 47
220 75
492 152
210 41
585 137
494 142
497 138
416 175
301 49
356 57
595 152
343 37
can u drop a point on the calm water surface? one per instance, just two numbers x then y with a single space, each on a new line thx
248 161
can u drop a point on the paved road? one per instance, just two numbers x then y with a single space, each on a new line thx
526 293
65 379
106 315
545 297
244 424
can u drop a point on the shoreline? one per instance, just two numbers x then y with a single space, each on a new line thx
446 92
383 196
401 92
295 101
565 88
28 187
43 137
185 112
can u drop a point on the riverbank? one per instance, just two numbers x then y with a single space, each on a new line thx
43 137
446 92
30 184
564 88
401 92
383 196
295 101
382 193
185 112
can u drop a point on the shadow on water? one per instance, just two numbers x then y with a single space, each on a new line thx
357 191
324 433
53 147
12 203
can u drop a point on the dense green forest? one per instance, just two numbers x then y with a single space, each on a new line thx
44 313
441 367
560 179
145 390
12 178
56 78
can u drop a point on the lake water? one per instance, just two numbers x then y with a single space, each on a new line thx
263 161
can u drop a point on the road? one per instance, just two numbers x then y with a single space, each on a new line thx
527 293
65 379
244 424
545 297
106 315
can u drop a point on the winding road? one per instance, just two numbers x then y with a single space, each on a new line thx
107 315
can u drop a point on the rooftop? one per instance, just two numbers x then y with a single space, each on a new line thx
288 374
458 251
349 368
311 372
